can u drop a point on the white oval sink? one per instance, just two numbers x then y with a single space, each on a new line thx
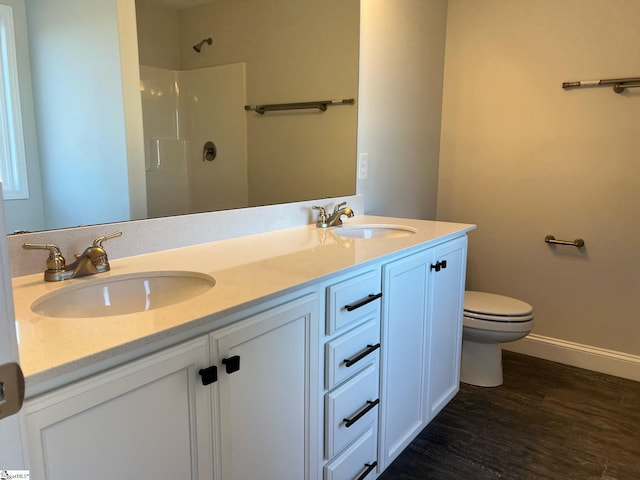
122 294
369 231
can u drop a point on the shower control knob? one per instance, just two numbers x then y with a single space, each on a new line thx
209 151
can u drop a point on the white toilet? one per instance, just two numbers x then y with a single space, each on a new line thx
490 320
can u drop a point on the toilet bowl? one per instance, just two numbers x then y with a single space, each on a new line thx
488 321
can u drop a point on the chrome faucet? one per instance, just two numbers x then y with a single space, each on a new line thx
93 260
334 219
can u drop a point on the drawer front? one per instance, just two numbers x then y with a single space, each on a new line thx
353 351
351 409
351 299
358 462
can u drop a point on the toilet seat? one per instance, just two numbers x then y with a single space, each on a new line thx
498 318
490 307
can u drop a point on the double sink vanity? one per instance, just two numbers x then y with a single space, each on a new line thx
305 353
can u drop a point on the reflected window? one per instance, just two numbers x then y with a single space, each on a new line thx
13 171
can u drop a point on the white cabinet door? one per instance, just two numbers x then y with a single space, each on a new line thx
421 341
404 354
147 419
267 407
446 299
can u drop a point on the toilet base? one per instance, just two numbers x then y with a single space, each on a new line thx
481 364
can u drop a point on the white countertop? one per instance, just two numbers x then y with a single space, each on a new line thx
246 270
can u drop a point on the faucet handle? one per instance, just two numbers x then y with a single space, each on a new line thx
56 261
322 217
98 241
338 207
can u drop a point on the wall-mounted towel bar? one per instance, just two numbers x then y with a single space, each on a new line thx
619 84
319 104
578 242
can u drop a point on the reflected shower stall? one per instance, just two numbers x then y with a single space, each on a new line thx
182 112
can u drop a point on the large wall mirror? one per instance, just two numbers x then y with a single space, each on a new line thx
138 108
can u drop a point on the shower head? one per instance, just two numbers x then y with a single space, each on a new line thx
198 46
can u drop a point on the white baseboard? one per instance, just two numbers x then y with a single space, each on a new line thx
575 354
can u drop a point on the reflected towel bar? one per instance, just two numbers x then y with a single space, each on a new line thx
319 104
618 84
578 242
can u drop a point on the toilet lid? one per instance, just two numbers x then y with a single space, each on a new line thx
495 307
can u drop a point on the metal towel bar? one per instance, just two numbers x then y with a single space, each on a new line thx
319 104
618 84
578 242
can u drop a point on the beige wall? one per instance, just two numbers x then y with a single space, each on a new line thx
523 158
158 30
401 68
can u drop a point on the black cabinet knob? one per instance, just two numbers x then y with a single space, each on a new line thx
209 375
439 265
232 364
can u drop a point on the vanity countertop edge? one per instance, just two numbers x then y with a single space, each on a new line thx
248 271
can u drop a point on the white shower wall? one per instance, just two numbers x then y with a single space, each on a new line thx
182 110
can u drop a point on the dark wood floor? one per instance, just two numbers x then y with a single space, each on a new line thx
547 421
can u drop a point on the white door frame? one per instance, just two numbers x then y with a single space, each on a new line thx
13 449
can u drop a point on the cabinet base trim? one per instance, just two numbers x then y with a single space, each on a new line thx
597 359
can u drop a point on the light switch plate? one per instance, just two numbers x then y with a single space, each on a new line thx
363 166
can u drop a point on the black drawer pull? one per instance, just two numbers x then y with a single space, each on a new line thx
370 405
370 467
362 303
232 364
353 360
209 375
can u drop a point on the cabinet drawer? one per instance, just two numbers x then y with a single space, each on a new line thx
351 299
358 462
353 351
351 409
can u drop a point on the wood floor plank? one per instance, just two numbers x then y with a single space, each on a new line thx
547 421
